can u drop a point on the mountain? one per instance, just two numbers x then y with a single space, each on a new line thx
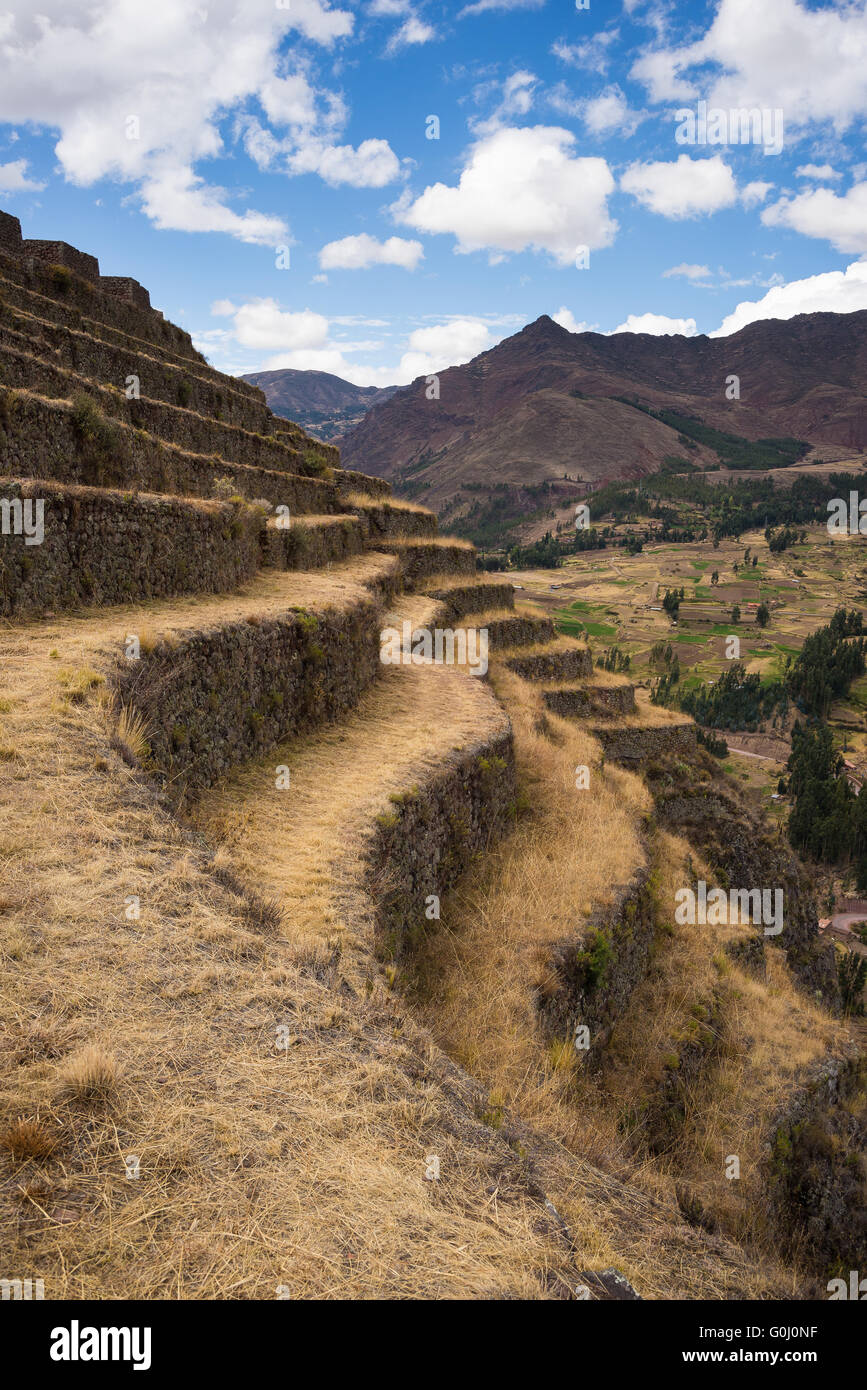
546 402
324 404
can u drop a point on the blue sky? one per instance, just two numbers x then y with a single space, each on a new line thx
264 166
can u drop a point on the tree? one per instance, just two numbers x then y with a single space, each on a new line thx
736 614
714 579
763 615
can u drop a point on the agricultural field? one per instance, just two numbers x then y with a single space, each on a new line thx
615 599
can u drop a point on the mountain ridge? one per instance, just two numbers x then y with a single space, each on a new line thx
546 402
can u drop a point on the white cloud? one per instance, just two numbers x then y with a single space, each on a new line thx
304 340
14 178
359 252
521 189
684 187
177 199
483 6
412 31
444 345
754 193
591 54
808 62
823 172
261 323
658 324
610 112
372 165
567 320
820 212
835 292
143 102
688 272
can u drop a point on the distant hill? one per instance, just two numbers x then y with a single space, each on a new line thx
325 405
546 403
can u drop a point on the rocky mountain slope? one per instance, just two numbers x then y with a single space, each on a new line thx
324 404
546 402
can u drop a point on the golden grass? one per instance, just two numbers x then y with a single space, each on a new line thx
477 974
364 502
302 1166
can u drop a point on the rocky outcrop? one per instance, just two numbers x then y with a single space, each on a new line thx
816 1168
695 799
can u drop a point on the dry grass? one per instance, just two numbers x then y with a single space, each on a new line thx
300 1165
478 973
28 1138
91 1075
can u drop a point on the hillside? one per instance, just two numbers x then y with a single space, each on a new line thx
324 404
327 976
546 403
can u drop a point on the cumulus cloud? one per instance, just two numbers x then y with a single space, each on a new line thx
305 340
807 61
684 187
261 323
14 178
144 103
567 320
610 112
520 189
372 165
177 199
819 212
360 252
835 292
591 54
659 325
444 345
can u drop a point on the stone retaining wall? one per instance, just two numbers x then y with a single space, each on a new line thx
461 601
34 273
107 364
184 427
307 547
104 547
591 699
564 663
640 743
40 438
217 697
420 560
429 837
597 968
